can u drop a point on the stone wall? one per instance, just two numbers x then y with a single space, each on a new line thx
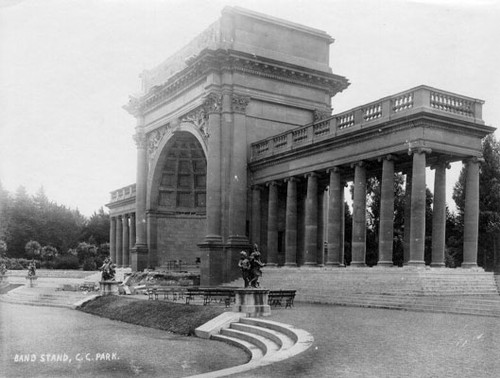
178 236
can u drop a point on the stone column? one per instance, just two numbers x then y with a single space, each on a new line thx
320 254
212 256
256 217
140 250
112 239
125 240
471 213
334 216
359 216
439 214
119 241
407 219
272 225
311 220
417 227
342 224
386 227
131 242
291 223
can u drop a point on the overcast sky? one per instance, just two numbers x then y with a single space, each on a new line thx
68 66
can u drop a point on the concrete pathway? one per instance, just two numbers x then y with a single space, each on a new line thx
58 342
363 342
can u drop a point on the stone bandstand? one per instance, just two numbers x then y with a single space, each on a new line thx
236 145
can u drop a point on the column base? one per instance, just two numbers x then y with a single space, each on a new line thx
291 265
385 264
310 264
437 265
468 265
139 257
271 265
358 264
416 263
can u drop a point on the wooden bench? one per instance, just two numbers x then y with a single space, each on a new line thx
88 286
276 298
210 295
176 293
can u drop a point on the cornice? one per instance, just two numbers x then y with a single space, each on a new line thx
220 60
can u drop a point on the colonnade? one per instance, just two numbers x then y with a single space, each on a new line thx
122 238
307 228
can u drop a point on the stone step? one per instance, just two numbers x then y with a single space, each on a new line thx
280 339
253 352
266 345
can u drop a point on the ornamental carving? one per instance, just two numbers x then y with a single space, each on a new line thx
134 106
239 103
198 118
212 103
154 140
319 115
140 139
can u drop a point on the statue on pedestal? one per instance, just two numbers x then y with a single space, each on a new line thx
251 267
244 265
32 269
108 270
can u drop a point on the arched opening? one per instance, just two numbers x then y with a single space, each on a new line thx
178 201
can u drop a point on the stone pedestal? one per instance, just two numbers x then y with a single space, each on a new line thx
31 281
253 302
109 287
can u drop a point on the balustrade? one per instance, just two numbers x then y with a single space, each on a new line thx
400 105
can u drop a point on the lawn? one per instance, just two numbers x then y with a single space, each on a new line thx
173 317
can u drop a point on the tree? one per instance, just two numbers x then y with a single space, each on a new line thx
96 229
33 249
489 201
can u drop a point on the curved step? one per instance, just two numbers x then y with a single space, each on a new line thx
275 342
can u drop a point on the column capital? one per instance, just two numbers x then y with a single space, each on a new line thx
419 150
311 174
333 169
212 103
360 163
272 183
291 179
256 187
140 139
441 162
473 159
239 103
388 157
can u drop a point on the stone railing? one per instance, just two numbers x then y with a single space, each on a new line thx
123 193
392 107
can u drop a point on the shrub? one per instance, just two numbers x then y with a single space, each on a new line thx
89 264
67 262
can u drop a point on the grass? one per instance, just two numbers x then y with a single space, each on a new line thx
7 288
173 317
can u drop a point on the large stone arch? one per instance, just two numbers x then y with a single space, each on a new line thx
176 196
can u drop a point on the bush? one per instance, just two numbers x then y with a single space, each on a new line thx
89 264
67 262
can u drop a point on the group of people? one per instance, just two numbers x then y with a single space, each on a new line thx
250 267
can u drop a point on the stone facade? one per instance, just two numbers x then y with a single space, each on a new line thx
236 145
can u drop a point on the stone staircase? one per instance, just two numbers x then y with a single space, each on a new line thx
459 291
264 341
45 296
